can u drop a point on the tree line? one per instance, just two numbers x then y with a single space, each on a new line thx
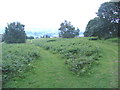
104 26
107 23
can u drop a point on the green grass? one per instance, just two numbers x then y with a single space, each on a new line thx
80 53
16 59
50 70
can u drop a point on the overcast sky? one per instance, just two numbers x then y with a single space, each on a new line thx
48 14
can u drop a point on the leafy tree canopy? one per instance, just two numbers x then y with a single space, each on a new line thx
14 33
67 30
99 27
110 11
107 22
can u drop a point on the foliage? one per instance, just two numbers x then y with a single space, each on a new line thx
93 27
67 30
50 71
106 25
110 11
99 27
46 36
29 37
115 40
16 59
80 54
93 38
14 33
1 38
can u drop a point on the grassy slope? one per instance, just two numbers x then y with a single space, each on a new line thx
108 70
51 72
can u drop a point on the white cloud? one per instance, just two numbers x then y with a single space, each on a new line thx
48 13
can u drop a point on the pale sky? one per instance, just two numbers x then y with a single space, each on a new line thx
48 14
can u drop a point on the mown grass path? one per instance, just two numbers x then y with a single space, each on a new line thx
109 63
51 72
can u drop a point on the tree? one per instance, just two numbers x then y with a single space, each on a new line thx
93 28
46 36
98 27
14 33
106 24
110 11
67 30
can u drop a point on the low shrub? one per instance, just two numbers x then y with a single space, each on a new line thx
80 54
17 58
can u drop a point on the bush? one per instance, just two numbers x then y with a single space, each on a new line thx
29 37
80 54
16 59
93 38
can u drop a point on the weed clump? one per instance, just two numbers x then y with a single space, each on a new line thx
16 59
80 54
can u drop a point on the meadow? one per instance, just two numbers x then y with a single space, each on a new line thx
16 59
61 63
80 54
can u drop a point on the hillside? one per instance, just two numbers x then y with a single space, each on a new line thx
54 67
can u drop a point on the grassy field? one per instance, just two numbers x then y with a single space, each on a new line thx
67 63
16 59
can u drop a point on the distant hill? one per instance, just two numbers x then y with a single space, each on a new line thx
38 33
42 33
